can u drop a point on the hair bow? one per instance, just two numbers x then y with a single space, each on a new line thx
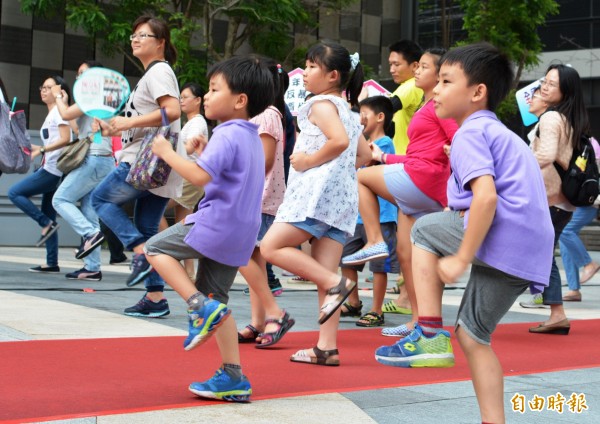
354 59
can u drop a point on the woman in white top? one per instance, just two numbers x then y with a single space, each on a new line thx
55 133
157 89
191 104
78 185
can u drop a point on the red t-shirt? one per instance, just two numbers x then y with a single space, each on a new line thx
425 161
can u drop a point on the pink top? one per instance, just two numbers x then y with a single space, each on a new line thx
269 122
425 161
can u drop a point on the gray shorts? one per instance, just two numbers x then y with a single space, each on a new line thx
409 198
489 293
212 277
358 241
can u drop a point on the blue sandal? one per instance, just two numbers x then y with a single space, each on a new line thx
269 339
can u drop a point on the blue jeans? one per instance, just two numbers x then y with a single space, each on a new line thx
553 293
572 250
78 185
149 208
44 183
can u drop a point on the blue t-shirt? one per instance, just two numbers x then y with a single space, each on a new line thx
520 241
388 212
228 218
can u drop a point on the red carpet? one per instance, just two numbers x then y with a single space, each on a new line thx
63 379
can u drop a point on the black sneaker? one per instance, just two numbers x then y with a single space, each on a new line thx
274 285
84 274
140 268
89 244
53 227
149 309
47 269
121 260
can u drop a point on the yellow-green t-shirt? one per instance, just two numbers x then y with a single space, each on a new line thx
411 97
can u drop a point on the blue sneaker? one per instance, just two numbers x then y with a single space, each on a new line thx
204 322
379 250
148 309
222 386
418 351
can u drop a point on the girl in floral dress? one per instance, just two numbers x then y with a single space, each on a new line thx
321 200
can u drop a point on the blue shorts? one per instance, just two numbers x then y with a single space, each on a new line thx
409 198
319 229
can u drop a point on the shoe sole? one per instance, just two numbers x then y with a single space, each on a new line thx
90 249
45 238
367 259
428 360
140 277
230 396
202 338
44 272
534 306
150 315
84 279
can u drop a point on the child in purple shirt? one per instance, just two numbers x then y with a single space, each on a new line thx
499 224
222 234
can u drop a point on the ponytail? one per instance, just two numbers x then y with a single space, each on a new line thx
355 85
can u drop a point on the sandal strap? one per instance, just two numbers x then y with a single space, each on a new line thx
253 329
324 354
279 321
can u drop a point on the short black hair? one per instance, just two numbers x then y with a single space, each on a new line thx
380 104
246 75
410 50
483 63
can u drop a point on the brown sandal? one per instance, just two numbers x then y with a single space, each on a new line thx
335 297
322 357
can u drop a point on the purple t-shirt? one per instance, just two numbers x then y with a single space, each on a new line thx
520 241
228 218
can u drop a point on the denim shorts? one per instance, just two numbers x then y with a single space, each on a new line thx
489 293
319 229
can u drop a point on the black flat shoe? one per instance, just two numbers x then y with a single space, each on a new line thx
560 327
46 269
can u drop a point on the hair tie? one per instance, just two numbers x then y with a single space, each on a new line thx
354 59
279 70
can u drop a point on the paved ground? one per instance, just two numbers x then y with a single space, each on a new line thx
71 312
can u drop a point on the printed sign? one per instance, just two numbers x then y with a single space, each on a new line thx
295 94
524 96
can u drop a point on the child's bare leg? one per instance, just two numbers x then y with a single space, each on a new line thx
227 341
404 250
379 287
428 286
279 248
171 270
261 298
327 253
370 185
487 377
